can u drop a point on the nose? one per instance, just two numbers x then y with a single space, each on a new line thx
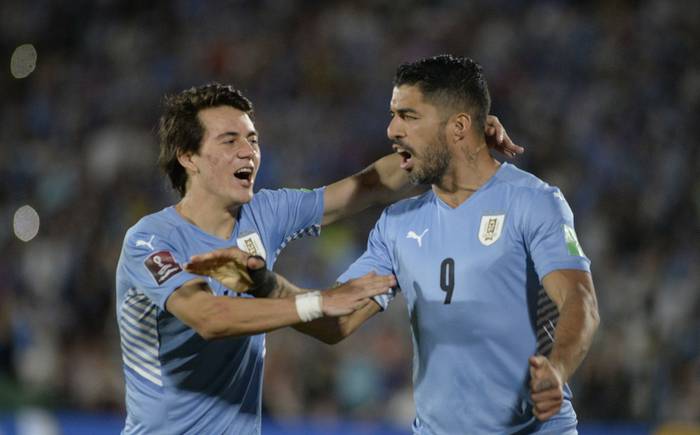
395 130
247 149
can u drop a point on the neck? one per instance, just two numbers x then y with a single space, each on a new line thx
468 171
208 214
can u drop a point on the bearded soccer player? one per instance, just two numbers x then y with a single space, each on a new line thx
477 258
193 348
499 292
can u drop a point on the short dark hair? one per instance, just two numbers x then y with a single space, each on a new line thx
452 81
180 129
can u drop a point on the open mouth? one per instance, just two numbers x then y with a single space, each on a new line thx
406 159
245 174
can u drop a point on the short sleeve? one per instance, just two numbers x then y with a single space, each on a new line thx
377 258
550 235
152 265
289 214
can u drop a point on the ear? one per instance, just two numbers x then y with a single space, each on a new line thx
460 125
185 159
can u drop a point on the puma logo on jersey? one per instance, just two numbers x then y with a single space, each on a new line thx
146 243
412 235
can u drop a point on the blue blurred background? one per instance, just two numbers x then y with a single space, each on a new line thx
604 95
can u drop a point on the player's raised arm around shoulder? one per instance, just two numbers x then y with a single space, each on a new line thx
384 182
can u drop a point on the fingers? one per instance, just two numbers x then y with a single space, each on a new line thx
549 395
547 413
538 385
547 404
546 387
222 254
378 285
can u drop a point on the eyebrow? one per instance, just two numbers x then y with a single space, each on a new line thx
405 111
235 134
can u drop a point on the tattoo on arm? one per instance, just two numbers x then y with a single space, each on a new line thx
264 281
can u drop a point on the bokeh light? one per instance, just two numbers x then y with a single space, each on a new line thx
26 223
23 61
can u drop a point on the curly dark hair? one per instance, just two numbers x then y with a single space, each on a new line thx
180 129
451 82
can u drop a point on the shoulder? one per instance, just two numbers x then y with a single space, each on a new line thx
409 205
528 187
159 222
534 200
268 197
152 230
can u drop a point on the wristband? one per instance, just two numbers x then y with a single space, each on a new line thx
264 280
309 306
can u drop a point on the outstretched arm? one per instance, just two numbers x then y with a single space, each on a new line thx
573 293
221 316
384 182
244 273
332 330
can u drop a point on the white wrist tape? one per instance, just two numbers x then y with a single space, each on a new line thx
309 306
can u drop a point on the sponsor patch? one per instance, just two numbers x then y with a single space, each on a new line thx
162 266
491 228
252 244
572 244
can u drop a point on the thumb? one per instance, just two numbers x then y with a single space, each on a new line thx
255 262
536 361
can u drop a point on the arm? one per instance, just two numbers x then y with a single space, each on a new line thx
574 295
221 316
332 330
384 182
329 330
242 272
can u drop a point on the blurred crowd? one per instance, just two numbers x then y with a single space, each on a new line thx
602 94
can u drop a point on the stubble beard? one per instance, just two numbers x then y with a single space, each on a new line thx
435 164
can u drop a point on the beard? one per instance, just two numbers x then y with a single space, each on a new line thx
434 164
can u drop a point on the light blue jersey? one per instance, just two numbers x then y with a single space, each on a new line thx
176 382
471 277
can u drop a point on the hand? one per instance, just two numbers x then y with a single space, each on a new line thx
354 294
546 386
497 138
228 266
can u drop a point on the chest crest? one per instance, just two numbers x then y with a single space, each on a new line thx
491 228
252 244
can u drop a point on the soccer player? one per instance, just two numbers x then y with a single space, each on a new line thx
471 256
192 348
486 260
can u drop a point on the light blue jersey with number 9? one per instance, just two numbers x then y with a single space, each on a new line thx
471 277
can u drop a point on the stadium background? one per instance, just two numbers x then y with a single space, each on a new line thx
604 95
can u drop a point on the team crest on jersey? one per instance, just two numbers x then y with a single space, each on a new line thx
491 228
252 244
162 266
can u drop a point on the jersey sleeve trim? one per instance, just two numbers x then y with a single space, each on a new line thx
580 263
